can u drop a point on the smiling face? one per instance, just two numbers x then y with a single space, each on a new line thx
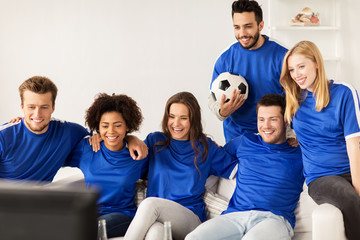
247 30
303 71
271 124
37 110
179 121
112 129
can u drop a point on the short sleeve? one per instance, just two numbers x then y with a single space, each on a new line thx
350 113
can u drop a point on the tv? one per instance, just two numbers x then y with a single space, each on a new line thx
29 211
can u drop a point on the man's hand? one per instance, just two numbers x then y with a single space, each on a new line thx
15 120
137 148
95 141
236 101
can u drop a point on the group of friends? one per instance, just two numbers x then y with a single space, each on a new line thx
287 87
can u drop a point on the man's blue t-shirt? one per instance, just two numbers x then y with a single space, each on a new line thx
113 173
322 135
172 173
269 176
25 155
261 68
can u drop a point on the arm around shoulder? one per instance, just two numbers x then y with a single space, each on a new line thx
138 149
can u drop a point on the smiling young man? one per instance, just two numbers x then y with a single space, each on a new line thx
269 181
254 56
36 147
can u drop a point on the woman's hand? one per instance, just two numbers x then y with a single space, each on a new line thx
137 148
292 142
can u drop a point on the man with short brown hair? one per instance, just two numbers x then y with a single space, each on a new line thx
37 146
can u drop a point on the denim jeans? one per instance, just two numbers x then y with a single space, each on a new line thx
247 225
338 191
116 224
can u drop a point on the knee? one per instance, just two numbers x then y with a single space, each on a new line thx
350 202
199 233
148 205
192 236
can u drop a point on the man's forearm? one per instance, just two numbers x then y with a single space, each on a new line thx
214 106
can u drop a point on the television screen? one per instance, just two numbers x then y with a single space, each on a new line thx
29 211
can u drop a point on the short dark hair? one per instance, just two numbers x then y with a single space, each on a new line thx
39 85
241 6
272 100
116 103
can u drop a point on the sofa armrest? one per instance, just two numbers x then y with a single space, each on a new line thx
68 177
327 223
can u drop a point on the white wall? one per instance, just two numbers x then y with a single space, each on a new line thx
350 46
146 49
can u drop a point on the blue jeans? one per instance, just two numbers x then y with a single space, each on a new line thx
339 191
116 224
247 225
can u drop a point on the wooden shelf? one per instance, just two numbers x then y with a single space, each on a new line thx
300 28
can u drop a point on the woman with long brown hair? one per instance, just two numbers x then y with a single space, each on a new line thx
181 158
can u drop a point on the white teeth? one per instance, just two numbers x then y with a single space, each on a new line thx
301 81
111 138
37 120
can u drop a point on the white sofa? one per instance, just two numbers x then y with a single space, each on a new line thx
313 222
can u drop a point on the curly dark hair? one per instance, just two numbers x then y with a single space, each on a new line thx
116 103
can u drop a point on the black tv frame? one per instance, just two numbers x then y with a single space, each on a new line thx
29 211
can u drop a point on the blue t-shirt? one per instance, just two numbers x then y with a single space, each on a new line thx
269 176
322 135
113 173
172 173
25 155
261 68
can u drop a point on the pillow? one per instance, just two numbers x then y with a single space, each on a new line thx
140 192
226 187
215 204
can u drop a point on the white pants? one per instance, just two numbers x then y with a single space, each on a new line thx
151 215
248 225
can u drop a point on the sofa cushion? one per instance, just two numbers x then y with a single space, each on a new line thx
215 204
303 212
226 187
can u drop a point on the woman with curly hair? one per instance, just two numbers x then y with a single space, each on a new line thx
112 170
326 118
181 158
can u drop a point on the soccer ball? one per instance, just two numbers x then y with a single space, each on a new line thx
225 83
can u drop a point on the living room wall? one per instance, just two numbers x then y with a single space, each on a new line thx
146 49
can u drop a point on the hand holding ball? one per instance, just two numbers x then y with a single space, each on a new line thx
225 83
